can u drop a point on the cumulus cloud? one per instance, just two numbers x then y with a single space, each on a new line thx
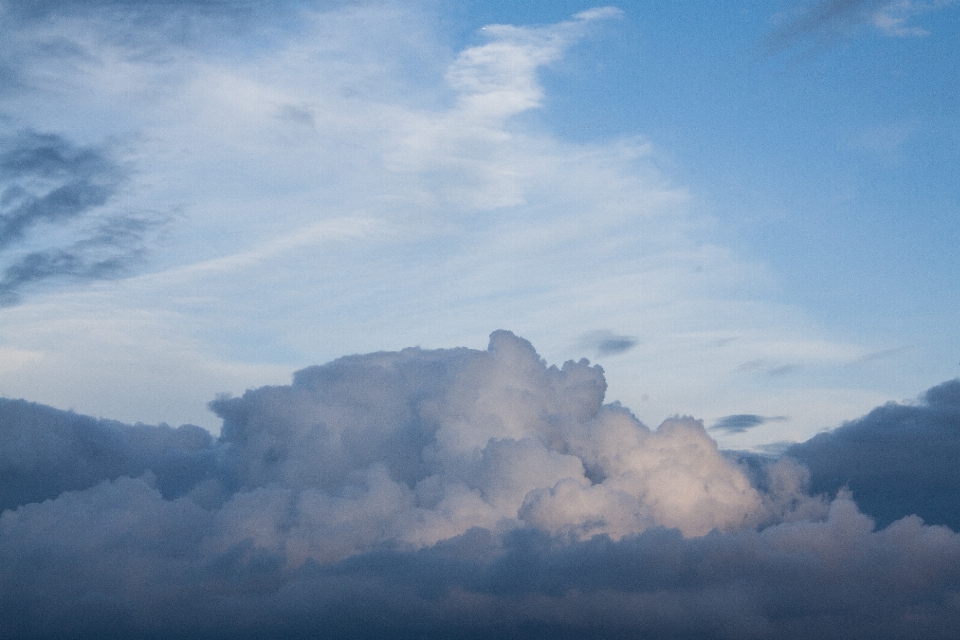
444 441
459 492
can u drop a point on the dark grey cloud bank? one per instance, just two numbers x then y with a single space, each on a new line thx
46 452
897 460
429 494
53 225
462 493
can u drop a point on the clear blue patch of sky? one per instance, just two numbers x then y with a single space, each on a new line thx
835 163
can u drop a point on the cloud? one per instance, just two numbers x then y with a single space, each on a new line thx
467 156
435 492
466 438
607 343
53 192
828 19
835 578
430 492
382 453
35 9
898 460
740 423
108 252
46 452
769 367
883 354
469 212
69 181
417 493
449 491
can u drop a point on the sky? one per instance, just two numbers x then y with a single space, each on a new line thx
755 202
416 282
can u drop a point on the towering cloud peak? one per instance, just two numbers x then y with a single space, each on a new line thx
418 492
452 439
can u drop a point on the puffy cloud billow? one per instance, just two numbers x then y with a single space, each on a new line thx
460 493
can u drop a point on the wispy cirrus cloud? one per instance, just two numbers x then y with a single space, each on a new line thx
741 422
465 213
607 343
46 179
825 20
53 222
770 367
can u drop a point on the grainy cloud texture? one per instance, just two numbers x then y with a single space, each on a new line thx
742 422
607 343
199 196
52 222
897 460
458 492
825 20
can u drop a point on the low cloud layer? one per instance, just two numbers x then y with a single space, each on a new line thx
460 492
46 452
897 460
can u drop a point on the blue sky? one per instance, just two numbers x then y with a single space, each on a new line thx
538 320
757 202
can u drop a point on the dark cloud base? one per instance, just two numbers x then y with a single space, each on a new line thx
897 460
301 520
46 452
834 579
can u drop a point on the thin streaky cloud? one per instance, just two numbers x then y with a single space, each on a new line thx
831 19
109 251
607 343
741 422
769 367
55 221
44 178
884 354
